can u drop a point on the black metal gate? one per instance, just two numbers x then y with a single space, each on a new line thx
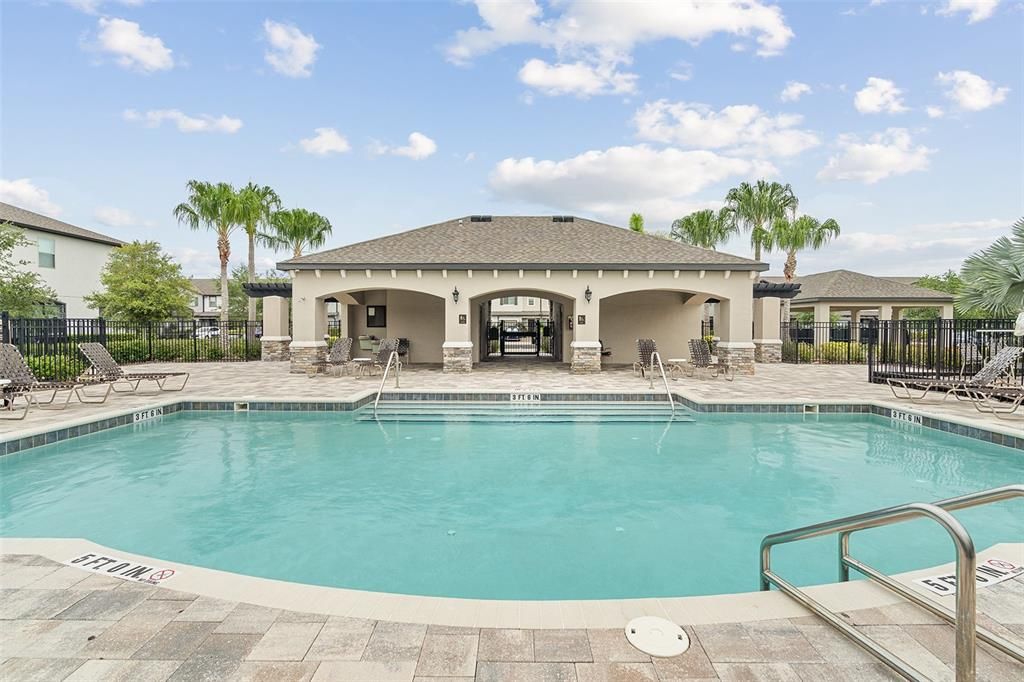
521 337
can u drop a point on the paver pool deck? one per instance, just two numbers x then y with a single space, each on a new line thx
60 622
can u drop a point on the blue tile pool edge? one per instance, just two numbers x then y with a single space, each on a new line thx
12 446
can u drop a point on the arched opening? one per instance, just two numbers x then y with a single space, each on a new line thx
514 325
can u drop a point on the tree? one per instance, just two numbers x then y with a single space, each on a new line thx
238 301
994 277
636 222
22 293
296 230
212 206
254 205
796 235
754 208
706 229
142 284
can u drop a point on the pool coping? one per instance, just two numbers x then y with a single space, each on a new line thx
526 614
914 415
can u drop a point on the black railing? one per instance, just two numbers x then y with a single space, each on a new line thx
939 349
827 343
50 346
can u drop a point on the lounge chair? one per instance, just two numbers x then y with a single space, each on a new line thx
383 355
701 359
340 356
645 350
18 381
988 376
106 369
1001 401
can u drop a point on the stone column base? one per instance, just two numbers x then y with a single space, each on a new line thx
306 355
767 350
457 356
586 357
738 354
275 348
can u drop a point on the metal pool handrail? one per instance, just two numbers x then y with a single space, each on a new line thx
964 617
392 358
656 356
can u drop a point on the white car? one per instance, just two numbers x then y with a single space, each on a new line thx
208 332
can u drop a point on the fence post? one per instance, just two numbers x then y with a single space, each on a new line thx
195 342
871 359
149 339
103 331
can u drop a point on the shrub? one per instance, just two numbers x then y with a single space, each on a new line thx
56 367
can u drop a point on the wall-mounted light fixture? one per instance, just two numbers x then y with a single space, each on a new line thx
588 294
455 295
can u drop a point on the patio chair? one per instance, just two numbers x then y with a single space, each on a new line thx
702 359
1000 401
18 381
106 369
987 377
380 359
339 357
645 350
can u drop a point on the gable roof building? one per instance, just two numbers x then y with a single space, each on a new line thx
37 221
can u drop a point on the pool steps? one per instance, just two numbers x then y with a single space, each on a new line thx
540 412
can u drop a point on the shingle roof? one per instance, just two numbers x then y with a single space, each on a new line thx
207 286
846 285
36 221
527 242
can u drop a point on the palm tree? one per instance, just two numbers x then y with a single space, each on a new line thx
755 207
254 205
296 230
706 229
796 235
994 277
211 206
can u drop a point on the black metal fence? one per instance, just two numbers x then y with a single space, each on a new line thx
831 343
50 345
938 348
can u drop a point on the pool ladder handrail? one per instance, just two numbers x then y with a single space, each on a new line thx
964 618
392 359
656 356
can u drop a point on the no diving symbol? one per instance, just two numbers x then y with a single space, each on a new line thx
999 563
161 575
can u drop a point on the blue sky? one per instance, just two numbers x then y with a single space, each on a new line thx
900 120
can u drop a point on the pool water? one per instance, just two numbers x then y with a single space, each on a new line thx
569 510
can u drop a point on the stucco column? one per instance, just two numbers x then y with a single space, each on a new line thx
884 312
767 342
309 324
735 332
822 318
275 340
855 324
457 349
586 340
947 311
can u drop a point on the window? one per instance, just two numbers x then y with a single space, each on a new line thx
529 301
509 300
47 253
195 302
376 316
212 303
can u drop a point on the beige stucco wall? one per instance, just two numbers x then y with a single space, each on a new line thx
77 268
658 315
733 288
419 318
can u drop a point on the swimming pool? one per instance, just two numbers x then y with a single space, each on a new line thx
574 509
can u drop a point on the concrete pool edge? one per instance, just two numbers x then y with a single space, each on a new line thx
443 611
103 419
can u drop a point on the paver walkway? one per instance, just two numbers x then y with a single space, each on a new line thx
62 623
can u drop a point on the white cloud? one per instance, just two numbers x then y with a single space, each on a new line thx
879 95
204 123
576 78
600 36
291 52
116 217
326 141
882 155
93 6
682 71
970 225
742 128
970 91
25 194
614 182
889 253
794 90
420 147
977 10
132 48
934 111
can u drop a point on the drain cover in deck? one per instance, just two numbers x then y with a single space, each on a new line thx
657 636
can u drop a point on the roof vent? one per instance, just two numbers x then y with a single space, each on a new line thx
561 219
479 218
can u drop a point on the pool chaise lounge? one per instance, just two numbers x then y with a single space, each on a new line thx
106 369
21 382
987 377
